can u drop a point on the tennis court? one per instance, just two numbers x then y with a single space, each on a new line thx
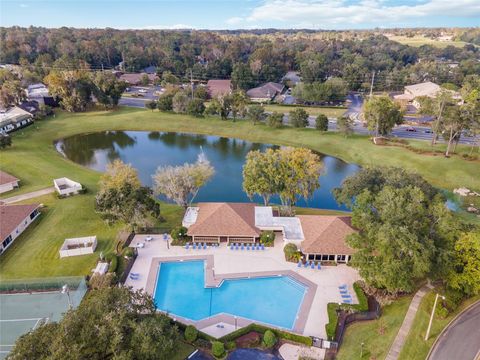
22 312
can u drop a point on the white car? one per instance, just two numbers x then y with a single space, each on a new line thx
143 91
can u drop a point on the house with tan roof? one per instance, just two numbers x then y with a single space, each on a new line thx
136 78
14 219
320 238
7 182
265 92
217 88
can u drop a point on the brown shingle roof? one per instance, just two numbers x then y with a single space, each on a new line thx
219 87
6 178
11 216
225 219
266 91
326 234
136 78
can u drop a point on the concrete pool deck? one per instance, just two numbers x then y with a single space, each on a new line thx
226 263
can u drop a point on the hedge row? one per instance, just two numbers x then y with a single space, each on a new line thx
261 329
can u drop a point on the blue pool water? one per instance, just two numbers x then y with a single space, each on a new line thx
181 290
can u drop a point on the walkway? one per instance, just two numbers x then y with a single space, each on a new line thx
28 196
399 341
460 340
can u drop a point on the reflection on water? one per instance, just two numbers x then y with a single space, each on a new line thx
146 151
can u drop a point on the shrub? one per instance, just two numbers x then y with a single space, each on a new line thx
269 339
275 120
218 349
179 233
230 345
165 102
298 118
290 250
321 122
202 343
101 281
129 252
195 107
267 237
113 260
191 333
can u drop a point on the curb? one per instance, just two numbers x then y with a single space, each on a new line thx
447 326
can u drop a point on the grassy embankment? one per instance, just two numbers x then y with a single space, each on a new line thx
34 160
418 41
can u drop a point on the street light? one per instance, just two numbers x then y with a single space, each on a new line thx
431 315
66 290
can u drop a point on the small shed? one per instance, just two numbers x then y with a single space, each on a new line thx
78 246
66 187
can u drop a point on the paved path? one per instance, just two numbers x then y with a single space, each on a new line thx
397 344
460 340
27 196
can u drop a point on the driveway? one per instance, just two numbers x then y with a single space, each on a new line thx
461 339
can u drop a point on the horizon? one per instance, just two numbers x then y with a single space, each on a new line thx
217 15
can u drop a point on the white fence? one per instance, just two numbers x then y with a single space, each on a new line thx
78 246
65 186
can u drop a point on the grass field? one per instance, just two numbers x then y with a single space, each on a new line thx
34 160
416 348
418 41
376 335
330 112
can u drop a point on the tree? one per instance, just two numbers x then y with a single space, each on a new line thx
275 119
73 87
242 76
436 107
465 272
122 198
255 113
144 80
321 122
111 323
239 104
298 118
191 333
182 183
289 173
152 105
165 102
345 125
179 102
201 93
5 140
11 93
195 107
218 349
107 88
382 114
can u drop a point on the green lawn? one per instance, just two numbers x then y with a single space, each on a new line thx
330 112
376 335
416 348
182 350
418 41
34 160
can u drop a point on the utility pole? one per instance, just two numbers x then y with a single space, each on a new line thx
431 316
371 85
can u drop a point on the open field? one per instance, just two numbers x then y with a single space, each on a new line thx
376 335
35 161
330 112
418 41
416 348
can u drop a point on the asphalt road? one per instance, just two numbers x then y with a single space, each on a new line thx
353 111
461 339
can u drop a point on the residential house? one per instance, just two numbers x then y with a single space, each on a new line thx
136 78
265 93
39 93
320 238
14 219
30 106
217 88
14 119
7 182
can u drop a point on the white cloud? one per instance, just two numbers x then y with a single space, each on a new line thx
235 20
167 27
325 13
23 5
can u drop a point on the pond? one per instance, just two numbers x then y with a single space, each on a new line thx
148 150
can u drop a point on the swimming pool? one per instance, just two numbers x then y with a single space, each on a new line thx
181 290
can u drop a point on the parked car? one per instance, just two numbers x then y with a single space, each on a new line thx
428 131
411 128
143 91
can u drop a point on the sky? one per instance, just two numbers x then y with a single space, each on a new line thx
236 14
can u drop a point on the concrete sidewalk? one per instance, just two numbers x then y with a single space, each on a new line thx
27 196
399 341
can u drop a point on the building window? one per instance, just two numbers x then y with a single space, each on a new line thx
311 257
33 214
7 241
324 257
318 257
331 257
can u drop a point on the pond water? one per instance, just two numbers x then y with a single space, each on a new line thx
148 150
